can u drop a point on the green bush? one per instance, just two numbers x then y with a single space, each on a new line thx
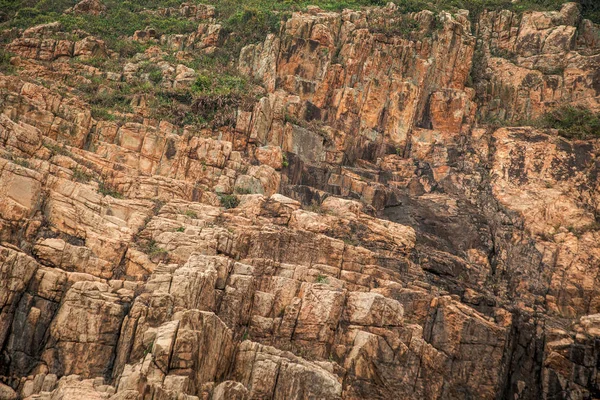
218 96
228 200
80 175
152 249
5 66
572 122
107 190
22 162
251 20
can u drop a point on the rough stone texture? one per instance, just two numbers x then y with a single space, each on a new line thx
388 243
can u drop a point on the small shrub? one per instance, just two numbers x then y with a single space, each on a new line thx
101 113
578 232
322 279
399 25
190 214
285 163
180 229
107 190
127 48
202 84
155 76
148 350
152 249
80 175
5 66
229 200
217 97
22 162
572 122
154 72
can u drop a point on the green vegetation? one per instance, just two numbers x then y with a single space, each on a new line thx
190 214
250 20
122 18
22 162
154 72
105 99
572 122
322 279
400 24
5 66
148 349
180 229
152 249
285 163
228 200
217 96
107 190
80 175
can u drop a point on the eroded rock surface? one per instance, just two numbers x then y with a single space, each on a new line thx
359 233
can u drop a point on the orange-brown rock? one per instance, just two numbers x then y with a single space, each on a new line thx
359 232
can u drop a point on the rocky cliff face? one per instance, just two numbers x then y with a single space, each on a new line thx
362 231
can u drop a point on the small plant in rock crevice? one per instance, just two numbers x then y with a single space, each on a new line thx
228 200
107 190
152 249
79 175
190 214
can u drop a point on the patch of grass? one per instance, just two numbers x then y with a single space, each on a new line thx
228 200
107 190
152 249
80 175
154 72
122 19
578 232
572 122
350 241
217 97
148 349
22 162
250 20
180 229
102 114
398 25
322 279
190 214
5 66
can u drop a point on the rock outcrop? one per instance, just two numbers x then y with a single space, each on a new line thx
361 231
